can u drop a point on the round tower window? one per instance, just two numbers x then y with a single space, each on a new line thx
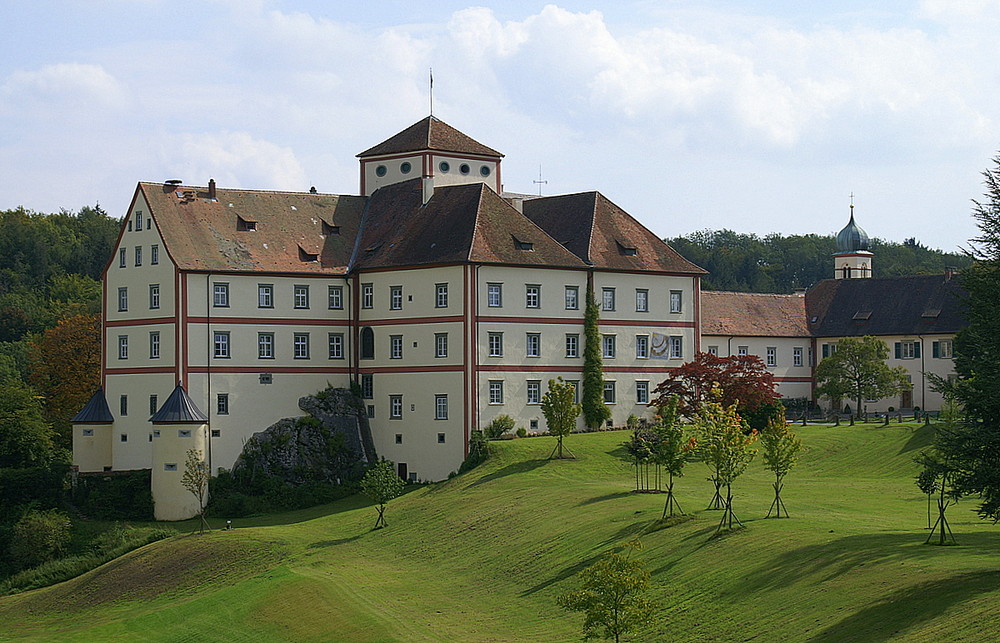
380 170
444 166
464 168
485 170
405 167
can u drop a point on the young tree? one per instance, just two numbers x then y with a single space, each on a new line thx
612 596
671 451
858 369
640 449
781 449
595 411
382 484
724 445
742 379
938 473
195 480
560 410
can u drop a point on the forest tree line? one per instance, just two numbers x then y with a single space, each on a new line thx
777 263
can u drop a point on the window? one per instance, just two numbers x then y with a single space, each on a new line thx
184 433
533 345
830 349
494 295
495 344
440 295
336 345
642 346
335 297
152 405
642 392
395 407
676 301
265 345
220 295
399 438
395 347
222 404
572 345
123 347
154 296
441 437
121 258
812 358
608 346
440 344
534 391
943 349
532 296
266 378
170 466
138 255
154 254
124 437
216 433
395 297
713 350
367 343
221 343
123 406
138 220
122 299
496 391
676 347
367 386
641 300
154 344
300 346
907 350
87 433
741 350
265 295
367 296
771 356
576 390
608 298
300 297
609 392
440 410
797 356
572 297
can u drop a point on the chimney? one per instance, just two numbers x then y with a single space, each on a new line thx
428 186
950 272
517 203
211 189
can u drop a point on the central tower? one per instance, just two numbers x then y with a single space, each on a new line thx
853 259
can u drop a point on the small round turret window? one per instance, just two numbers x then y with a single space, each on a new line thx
380 170
485 170
405 167
464 168
443 166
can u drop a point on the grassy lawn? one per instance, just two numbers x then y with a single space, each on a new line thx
481 557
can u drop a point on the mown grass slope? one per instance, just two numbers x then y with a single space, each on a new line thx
481 557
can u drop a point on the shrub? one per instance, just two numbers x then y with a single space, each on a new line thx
479 451
501 424
39 536
522 432
118 496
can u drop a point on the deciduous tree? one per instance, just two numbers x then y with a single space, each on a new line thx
195 480
382 484
611 596
26 439
742 379
858 369
725 445
781 448
671 451
560 410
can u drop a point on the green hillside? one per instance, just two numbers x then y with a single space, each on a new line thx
482 557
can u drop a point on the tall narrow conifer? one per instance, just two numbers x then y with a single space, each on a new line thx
595 412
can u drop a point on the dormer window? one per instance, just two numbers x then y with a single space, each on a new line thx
628 251
243 225
307 256
931 313
523 245
862 315
330 229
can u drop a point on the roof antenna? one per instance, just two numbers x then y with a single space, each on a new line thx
540 181
431 70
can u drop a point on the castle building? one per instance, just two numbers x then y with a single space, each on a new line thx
445 301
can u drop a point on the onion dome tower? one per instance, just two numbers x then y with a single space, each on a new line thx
853 259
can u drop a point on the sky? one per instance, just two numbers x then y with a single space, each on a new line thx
757 117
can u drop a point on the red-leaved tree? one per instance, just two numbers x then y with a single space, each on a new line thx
742 379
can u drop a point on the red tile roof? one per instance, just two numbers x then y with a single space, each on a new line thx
753 314
603 235
204 234
430 133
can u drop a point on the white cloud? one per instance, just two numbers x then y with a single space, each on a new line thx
233 159
66 83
